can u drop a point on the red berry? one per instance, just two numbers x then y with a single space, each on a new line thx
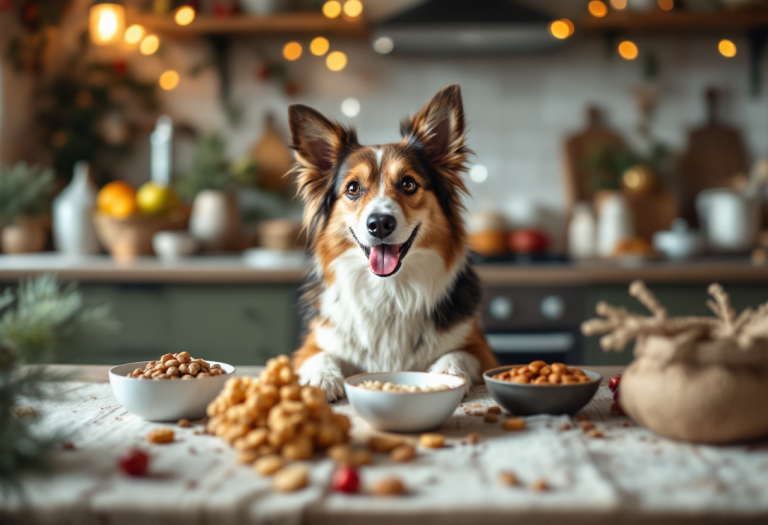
613 384
134 462
346 479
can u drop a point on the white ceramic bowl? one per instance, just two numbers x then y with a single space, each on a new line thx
405 412
166 400
172 245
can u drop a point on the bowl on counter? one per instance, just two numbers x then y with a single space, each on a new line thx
405 411
527 399
166 400
173 245
679 243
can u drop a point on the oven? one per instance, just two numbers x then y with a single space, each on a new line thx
526 323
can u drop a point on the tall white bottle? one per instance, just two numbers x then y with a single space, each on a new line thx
581 232
73 230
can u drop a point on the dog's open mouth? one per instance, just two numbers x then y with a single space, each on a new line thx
385 259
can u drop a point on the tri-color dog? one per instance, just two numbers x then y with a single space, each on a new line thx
391 287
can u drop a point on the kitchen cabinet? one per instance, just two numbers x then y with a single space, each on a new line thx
238 324
683 299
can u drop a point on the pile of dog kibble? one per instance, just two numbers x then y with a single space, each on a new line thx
177 366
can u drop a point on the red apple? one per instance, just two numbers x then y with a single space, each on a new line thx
528 240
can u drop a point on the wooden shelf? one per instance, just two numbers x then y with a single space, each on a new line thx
689 21
279 25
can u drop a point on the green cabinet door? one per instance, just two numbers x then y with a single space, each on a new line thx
237 324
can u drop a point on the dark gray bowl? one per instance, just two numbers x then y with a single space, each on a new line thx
527 400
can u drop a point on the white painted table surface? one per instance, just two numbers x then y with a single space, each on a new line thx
630 476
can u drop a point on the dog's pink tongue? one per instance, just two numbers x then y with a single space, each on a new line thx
384 258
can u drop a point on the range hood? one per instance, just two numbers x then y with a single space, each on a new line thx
469 27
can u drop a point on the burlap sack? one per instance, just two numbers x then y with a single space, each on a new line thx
703 392
699 379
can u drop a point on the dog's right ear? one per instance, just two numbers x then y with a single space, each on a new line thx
316 140
319 145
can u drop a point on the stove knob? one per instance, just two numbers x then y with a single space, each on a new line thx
552 307
501 308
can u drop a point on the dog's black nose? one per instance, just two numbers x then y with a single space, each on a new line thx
380 225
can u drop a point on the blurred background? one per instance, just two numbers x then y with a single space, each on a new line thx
143 145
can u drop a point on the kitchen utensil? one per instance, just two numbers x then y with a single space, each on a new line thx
680 242
526 399
729 220
715 155
172 245
73 230
581 232
166 400
596 136
614 223
405 412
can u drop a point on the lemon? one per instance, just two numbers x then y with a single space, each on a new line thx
154 199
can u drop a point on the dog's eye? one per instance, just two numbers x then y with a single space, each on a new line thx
353 189
409 185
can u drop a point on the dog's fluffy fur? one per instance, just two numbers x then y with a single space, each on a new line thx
366 314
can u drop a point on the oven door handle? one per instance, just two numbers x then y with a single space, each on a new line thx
531 343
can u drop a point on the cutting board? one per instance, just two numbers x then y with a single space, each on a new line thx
596 135
715 156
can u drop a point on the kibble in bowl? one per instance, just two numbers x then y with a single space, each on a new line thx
414 401
532 395
170 399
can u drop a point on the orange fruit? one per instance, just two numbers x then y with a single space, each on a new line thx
117 198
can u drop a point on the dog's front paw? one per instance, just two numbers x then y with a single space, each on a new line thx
458 364
322 372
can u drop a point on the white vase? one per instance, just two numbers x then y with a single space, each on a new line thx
581 232
614 224
215 220
73 230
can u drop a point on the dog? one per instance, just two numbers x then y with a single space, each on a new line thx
391 287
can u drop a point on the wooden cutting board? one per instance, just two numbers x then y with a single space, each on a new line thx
715 156
578 147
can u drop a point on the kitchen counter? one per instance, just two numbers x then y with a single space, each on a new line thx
233 269
629 476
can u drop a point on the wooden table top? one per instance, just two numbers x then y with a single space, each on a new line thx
629 475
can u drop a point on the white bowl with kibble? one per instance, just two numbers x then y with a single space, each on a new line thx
167 400
405 401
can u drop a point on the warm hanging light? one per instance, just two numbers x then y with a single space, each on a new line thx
134 34
332 9
184 15
727 48
666 5
619 4
292 51
353 8
628 50
319 46
149 45
597 8
107 22
561 29
336 61
169 80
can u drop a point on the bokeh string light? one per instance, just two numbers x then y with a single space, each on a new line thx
169 80
561 29
597 8
134 34
149 45
336 61
628 50
292 51
332 9
727 48
319 46
353 8
184 15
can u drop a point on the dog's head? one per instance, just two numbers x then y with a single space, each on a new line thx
385 199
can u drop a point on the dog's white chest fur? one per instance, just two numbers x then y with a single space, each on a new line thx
382 324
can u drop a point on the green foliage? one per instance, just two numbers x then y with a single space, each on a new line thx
93 112
212 170
39 314
24 190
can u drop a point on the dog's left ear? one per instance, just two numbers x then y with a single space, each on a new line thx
439 127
